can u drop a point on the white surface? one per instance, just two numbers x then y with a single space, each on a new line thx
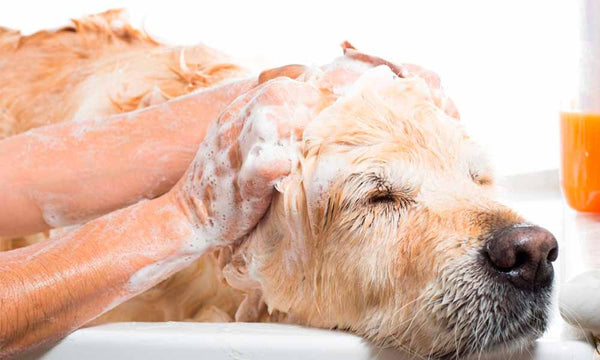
246 341
505 62
536 196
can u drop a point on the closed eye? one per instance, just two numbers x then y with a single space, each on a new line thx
382 198
385 193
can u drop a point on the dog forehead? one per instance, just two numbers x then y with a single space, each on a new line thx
332 139
379 106
382 115
381 121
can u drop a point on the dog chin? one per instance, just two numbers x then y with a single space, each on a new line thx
480 315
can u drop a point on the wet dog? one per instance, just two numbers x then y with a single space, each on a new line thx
387 228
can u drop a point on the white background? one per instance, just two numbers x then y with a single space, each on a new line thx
506 63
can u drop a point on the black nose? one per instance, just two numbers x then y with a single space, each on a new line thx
524 254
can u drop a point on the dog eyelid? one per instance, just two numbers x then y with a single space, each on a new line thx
385 192
382 198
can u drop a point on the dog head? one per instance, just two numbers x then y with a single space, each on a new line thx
388 228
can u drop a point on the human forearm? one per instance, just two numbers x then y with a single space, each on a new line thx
49 289
72 172
222 196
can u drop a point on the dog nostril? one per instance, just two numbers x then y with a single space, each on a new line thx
524 254
553 254
522 258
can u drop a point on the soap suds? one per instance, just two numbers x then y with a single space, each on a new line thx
259 142
157 271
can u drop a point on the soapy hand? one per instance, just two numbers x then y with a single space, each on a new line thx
229 185
222 196
409 71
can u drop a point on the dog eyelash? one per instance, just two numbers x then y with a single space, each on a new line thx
379 192
399 202
386 194
382 198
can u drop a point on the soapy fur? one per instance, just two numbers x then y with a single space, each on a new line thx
376 231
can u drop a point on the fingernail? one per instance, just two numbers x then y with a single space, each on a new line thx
279 185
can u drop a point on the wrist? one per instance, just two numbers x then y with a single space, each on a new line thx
193 216
172 241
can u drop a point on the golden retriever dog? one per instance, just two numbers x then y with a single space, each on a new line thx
388 228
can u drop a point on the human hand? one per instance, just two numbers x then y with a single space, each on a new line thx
228 187
409 71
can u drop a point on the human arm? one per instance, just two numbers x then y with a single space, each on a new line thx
67 173
52 288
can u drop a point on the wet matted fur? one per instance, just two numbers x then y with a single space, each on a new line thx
387 246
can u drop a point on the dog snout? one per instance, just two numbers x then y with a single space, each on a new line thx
523 255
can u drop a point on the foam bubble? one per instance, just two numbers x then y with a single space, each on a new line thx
154 273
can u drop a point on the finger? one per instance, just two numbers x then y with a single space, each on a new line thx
265 165
242 113
431 78
290 71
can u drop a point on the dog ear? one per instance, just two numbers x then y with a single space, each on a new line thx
290 71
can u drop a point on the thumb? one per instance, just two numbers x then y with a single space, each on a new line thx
265 165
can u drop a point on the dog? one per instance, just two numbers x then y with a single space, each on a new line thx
387 228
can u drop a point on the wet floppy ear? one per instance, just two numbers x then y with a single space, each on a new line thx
257 262
289 71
